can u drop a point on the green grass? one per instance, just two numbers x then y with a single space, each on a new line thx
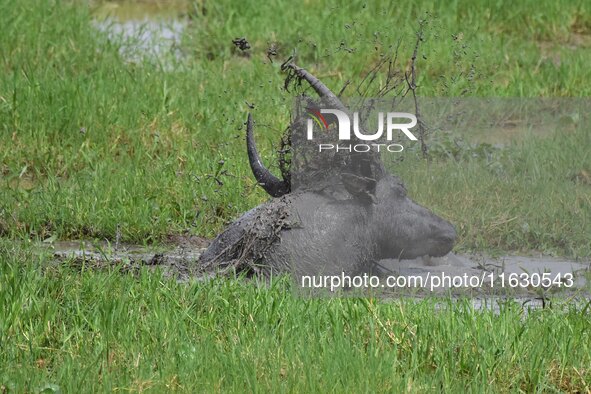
90 142
104 331
154 138
526 197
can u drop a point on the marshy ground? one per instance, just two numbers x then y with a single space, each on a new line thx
179 260
130 131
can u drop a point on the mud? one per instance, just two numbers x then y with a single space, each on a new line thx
513 276
179 260
175 261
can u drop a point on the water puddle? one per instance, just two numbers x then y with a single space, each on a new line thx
176 261
487 280
179 261
144 31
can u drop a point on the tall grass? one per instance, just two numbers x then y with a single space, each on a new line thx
103 331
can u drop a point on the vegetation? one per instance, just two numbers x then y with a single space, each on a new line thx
92 142
104 331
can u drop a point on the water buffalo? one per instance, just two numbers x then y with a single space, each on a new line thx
344 222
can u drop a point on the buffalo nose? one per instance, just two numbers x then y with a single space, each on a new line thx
448 235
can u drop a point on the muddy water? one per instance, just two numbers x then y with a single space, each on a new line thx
175 261
180 260
488 282
145 31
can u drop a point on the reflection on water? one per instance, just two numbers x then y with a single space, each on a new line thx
144 31
141 39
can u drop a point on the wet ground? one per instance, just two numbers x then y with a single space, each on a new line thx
529 279
177 261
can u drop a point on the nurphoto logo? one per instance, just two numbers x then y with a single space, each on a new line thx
344 129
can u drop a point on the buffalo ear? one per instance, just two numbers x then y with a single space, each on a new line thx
360 187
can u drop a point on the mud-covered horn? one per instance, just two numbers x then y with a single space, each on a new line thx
368 165
321 89
272 185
